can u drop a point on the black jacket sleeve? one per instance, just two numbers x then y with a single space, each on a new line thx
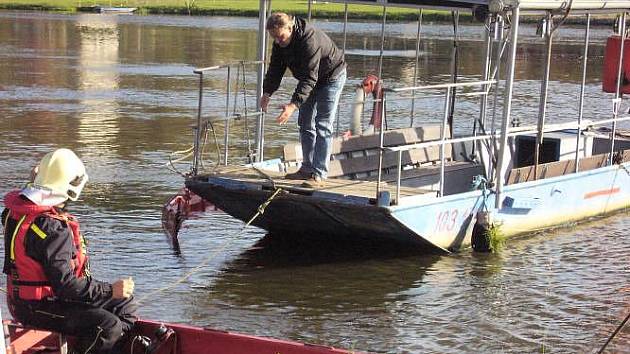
54 251
277 67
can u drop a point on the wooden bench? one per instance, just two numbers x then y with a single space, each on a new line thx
358 158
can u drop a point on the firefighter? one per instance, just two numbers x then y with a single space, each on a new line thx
48 280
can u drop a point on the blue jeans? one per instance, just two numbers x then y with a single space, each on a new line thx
316 119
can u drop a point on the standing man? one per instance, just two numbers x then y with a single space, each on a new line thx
48 280
319 66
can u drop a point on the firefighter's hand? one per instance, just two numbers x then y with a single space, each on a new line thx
287 111
264 102
122 288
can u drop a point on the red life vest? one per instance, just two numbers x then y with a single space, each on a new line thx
27 280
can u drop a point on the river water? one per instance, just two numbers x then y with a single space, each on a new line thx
120 92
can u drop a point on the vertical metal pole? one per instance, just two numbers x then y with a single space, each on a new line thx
499 47
226 133
582 88
345 32
486 74
345 29
497 62
380 57
507 106
380 151
197 147
617 102
310 3
443 129
415 69
399 175
454 69
542 108
260 75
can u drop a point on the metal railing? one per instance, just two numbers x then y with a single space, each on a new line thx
197 148
443 128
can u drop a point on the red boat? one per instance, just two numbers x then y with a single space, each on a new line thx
157 338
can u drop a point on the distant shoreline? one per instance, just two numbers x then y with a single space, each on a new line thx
327 11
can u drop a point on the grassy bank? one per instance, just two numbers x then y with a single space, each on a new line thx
227 7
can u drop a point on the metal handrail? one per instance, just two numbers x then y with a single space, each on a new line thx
519 131
224 66
442 142
226 118
442 86
513 132
235 116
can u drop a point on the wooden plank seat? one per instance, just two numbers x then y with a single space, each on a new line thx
28 339
357 157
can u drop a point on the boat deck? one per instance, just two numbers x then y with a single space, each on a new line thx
346 187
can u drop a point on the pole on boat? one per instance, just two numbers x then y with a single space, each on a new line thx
454 69
582 88
486 74
345 33
617 100
415 69
226 133
507 106
542 108
196 146
398 177
380 151
443 127
380 57
501 42
262 45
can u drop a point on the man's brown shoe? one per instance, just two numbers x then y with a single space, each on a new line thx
314 182
298 175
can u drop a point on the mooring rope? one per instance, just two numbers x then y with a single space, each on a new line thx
614 334
259 211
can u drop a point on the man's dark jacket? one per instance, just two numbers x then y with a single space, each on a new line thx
312 57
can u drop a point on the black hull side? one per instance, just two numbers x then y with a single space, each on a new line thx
307 215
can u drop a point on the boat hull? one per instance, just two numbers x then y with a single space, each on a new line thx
428 223
182 339
323 215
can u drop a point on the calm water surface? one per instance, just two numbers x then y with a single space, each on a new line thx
120 91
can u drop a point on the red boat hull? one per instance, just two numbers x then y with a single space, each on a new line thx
186 340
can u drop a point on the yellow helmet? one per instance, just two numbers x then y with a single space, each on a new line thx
62 172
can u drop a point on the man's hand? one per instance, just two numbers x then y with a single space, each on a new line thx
287 111
122 288
264 102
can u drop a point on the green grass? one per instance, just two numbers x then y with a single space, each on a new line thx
229 7
496 237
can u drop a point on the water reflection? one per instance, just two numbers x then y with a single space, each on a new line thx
98 83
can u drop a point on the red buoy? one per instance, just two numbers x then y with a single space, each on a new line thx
611 63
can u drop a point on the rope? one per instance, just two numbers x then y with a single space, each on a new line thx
614 334
265 176
259 212
480 182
